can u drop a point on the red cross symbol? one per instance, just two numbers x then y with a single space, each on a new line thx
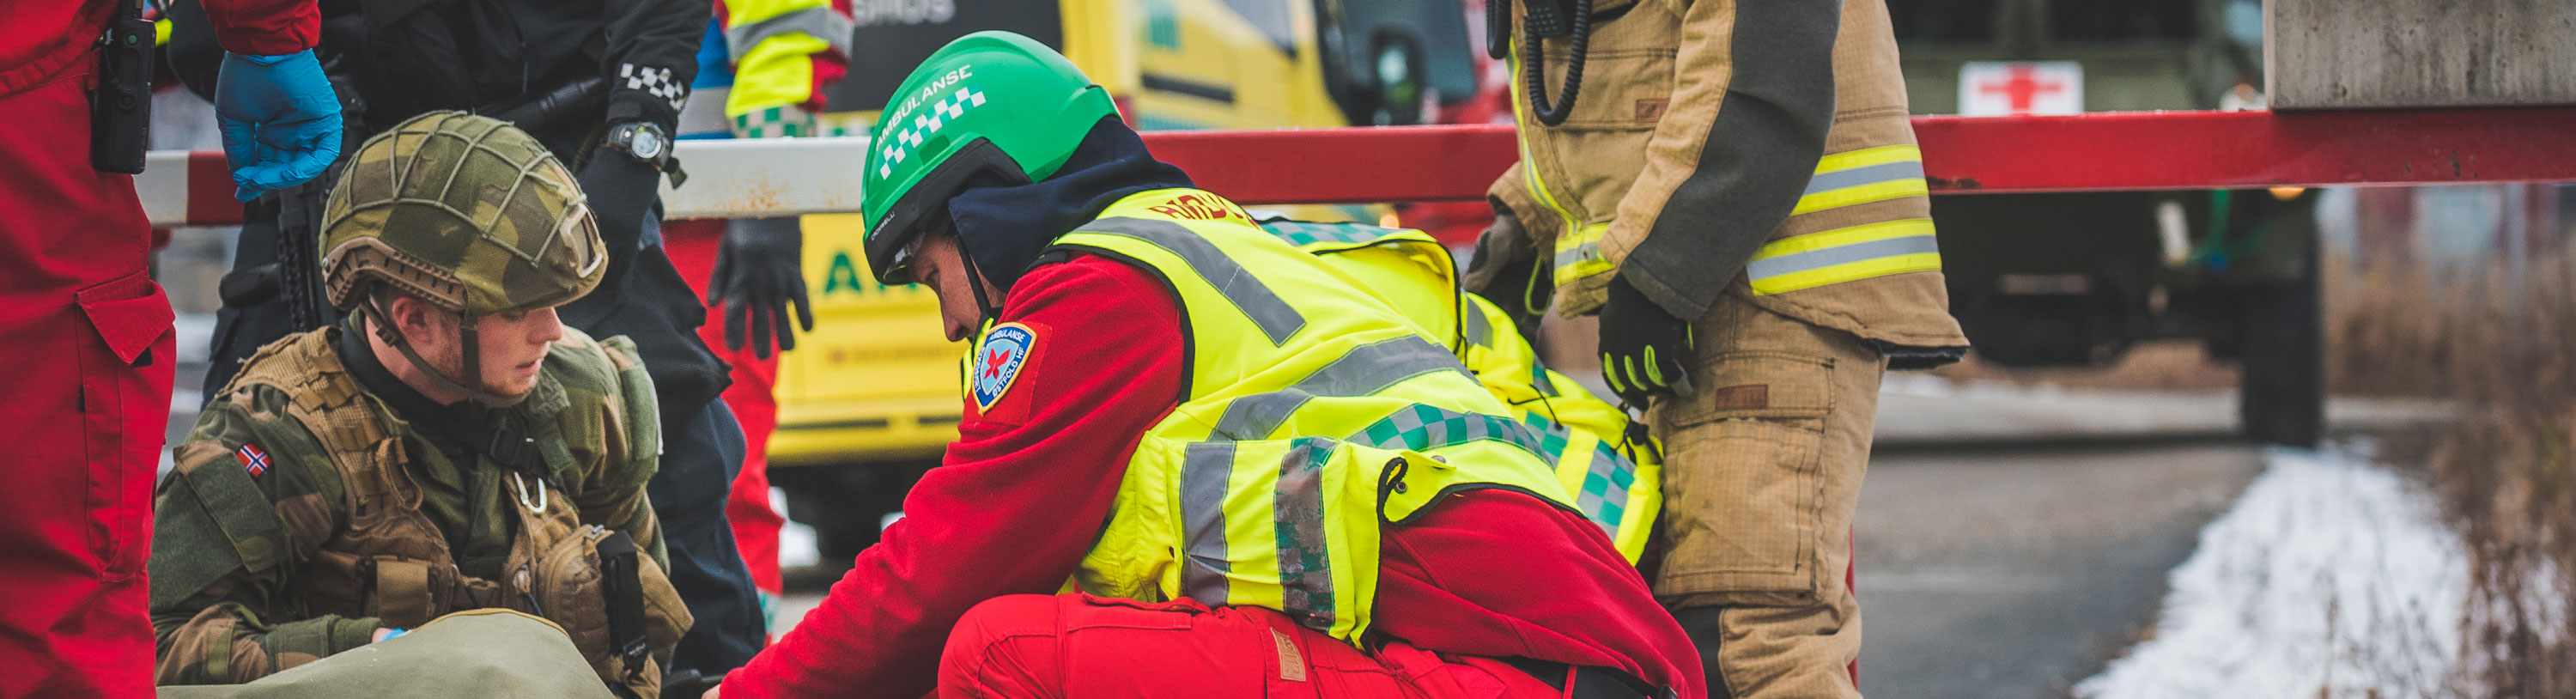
2021 88
993 361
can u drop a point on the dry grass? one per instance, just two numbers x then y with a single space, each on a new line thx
2506 347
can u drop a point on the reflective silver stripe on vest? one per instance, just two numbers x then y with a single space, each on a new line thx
1424 427
819 22
1305 568
1869 174
1571 257
1474 325
1365 370
1207 468
1827 257
1276 318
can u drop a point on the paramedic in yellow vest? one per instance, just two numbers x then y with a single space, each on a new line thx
1734 189
1605 460
1195 460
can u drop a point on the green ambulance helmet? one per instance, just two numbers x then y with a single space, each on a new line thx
991 102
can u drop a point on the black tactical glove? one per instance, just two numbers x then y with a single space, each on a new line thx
759 272
621 191
1644 349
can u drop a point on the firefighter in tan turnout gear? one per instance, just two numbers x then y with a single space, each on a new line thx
1734 189
451 448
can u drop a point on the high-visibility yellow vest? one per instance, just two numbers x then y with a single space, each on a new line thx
1313 413
1614 472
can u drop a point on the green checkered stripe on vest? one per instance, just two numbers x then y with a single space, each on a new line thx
774 122
1604 495
1423 428
1303 233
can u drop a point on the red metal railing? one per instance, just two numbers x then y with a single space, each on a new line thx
2087 152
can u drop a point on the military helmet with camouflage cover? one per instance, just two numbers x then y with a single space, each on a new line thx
464 211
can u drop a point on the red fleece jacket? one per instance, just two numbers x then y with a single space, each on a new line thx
1027 486
40 39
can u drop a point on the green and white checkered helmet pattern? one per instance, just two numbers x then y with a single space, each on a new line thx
991 102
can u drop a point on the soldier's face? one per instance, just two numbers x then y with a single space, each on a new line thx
514 348
511 348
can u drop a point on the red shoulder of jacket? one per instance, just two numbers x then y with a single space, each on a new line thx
265 27
1070 324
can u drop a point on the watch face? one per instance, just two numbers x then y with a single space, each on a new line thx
645 144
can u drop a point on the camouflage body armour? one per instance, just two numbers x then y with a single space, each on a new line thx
388 560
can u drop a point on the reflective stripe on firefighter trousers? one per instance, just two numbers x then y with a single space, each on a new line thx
1314 409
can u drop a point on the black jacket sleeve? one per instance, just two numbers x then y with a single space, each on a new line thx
652 57
1773 110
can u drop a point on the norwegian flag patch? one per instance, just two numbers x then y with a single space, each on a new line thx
252 460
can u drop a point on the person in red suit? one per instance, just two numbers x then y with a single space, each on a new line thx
88 362
1031 562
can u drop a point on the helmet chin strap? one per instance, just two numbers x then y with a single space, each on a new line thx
470 348
975 281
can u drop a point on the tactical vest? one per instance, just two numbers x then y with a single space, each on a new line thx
390 561
1613 470
1313 413
1857 252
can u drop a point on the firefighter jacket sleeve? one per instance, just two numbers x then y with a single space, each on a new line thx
1018 499
265 27
221 553
784 53
652 57
1753 95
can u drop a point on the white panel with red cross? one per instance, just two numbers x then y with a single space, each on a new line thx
2000 88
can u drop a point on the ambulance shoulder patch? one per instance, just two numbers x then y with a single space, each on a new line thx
998 360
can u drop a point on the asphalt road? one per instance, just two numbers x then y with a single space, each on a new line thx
2014 573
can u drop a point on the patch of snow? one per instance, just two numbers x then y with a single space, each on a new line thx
796 542
1929 386
196 331
2330 577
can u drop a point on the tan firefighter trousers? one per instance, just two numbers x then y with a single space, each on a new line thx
1762 470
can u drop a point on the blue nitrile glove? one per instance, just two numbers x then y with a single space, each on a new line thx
279 118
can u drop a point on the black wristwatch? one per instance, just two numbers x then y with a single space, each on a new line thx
642 140
647 143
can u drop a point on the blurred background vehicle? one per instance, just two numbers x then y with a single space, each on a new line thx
2054 280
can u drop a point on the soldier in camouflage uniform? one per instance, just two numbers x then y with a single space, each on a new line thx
451 447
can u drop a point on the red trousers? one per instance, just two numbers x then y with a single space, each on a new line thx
85 370
692 247
1077 645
